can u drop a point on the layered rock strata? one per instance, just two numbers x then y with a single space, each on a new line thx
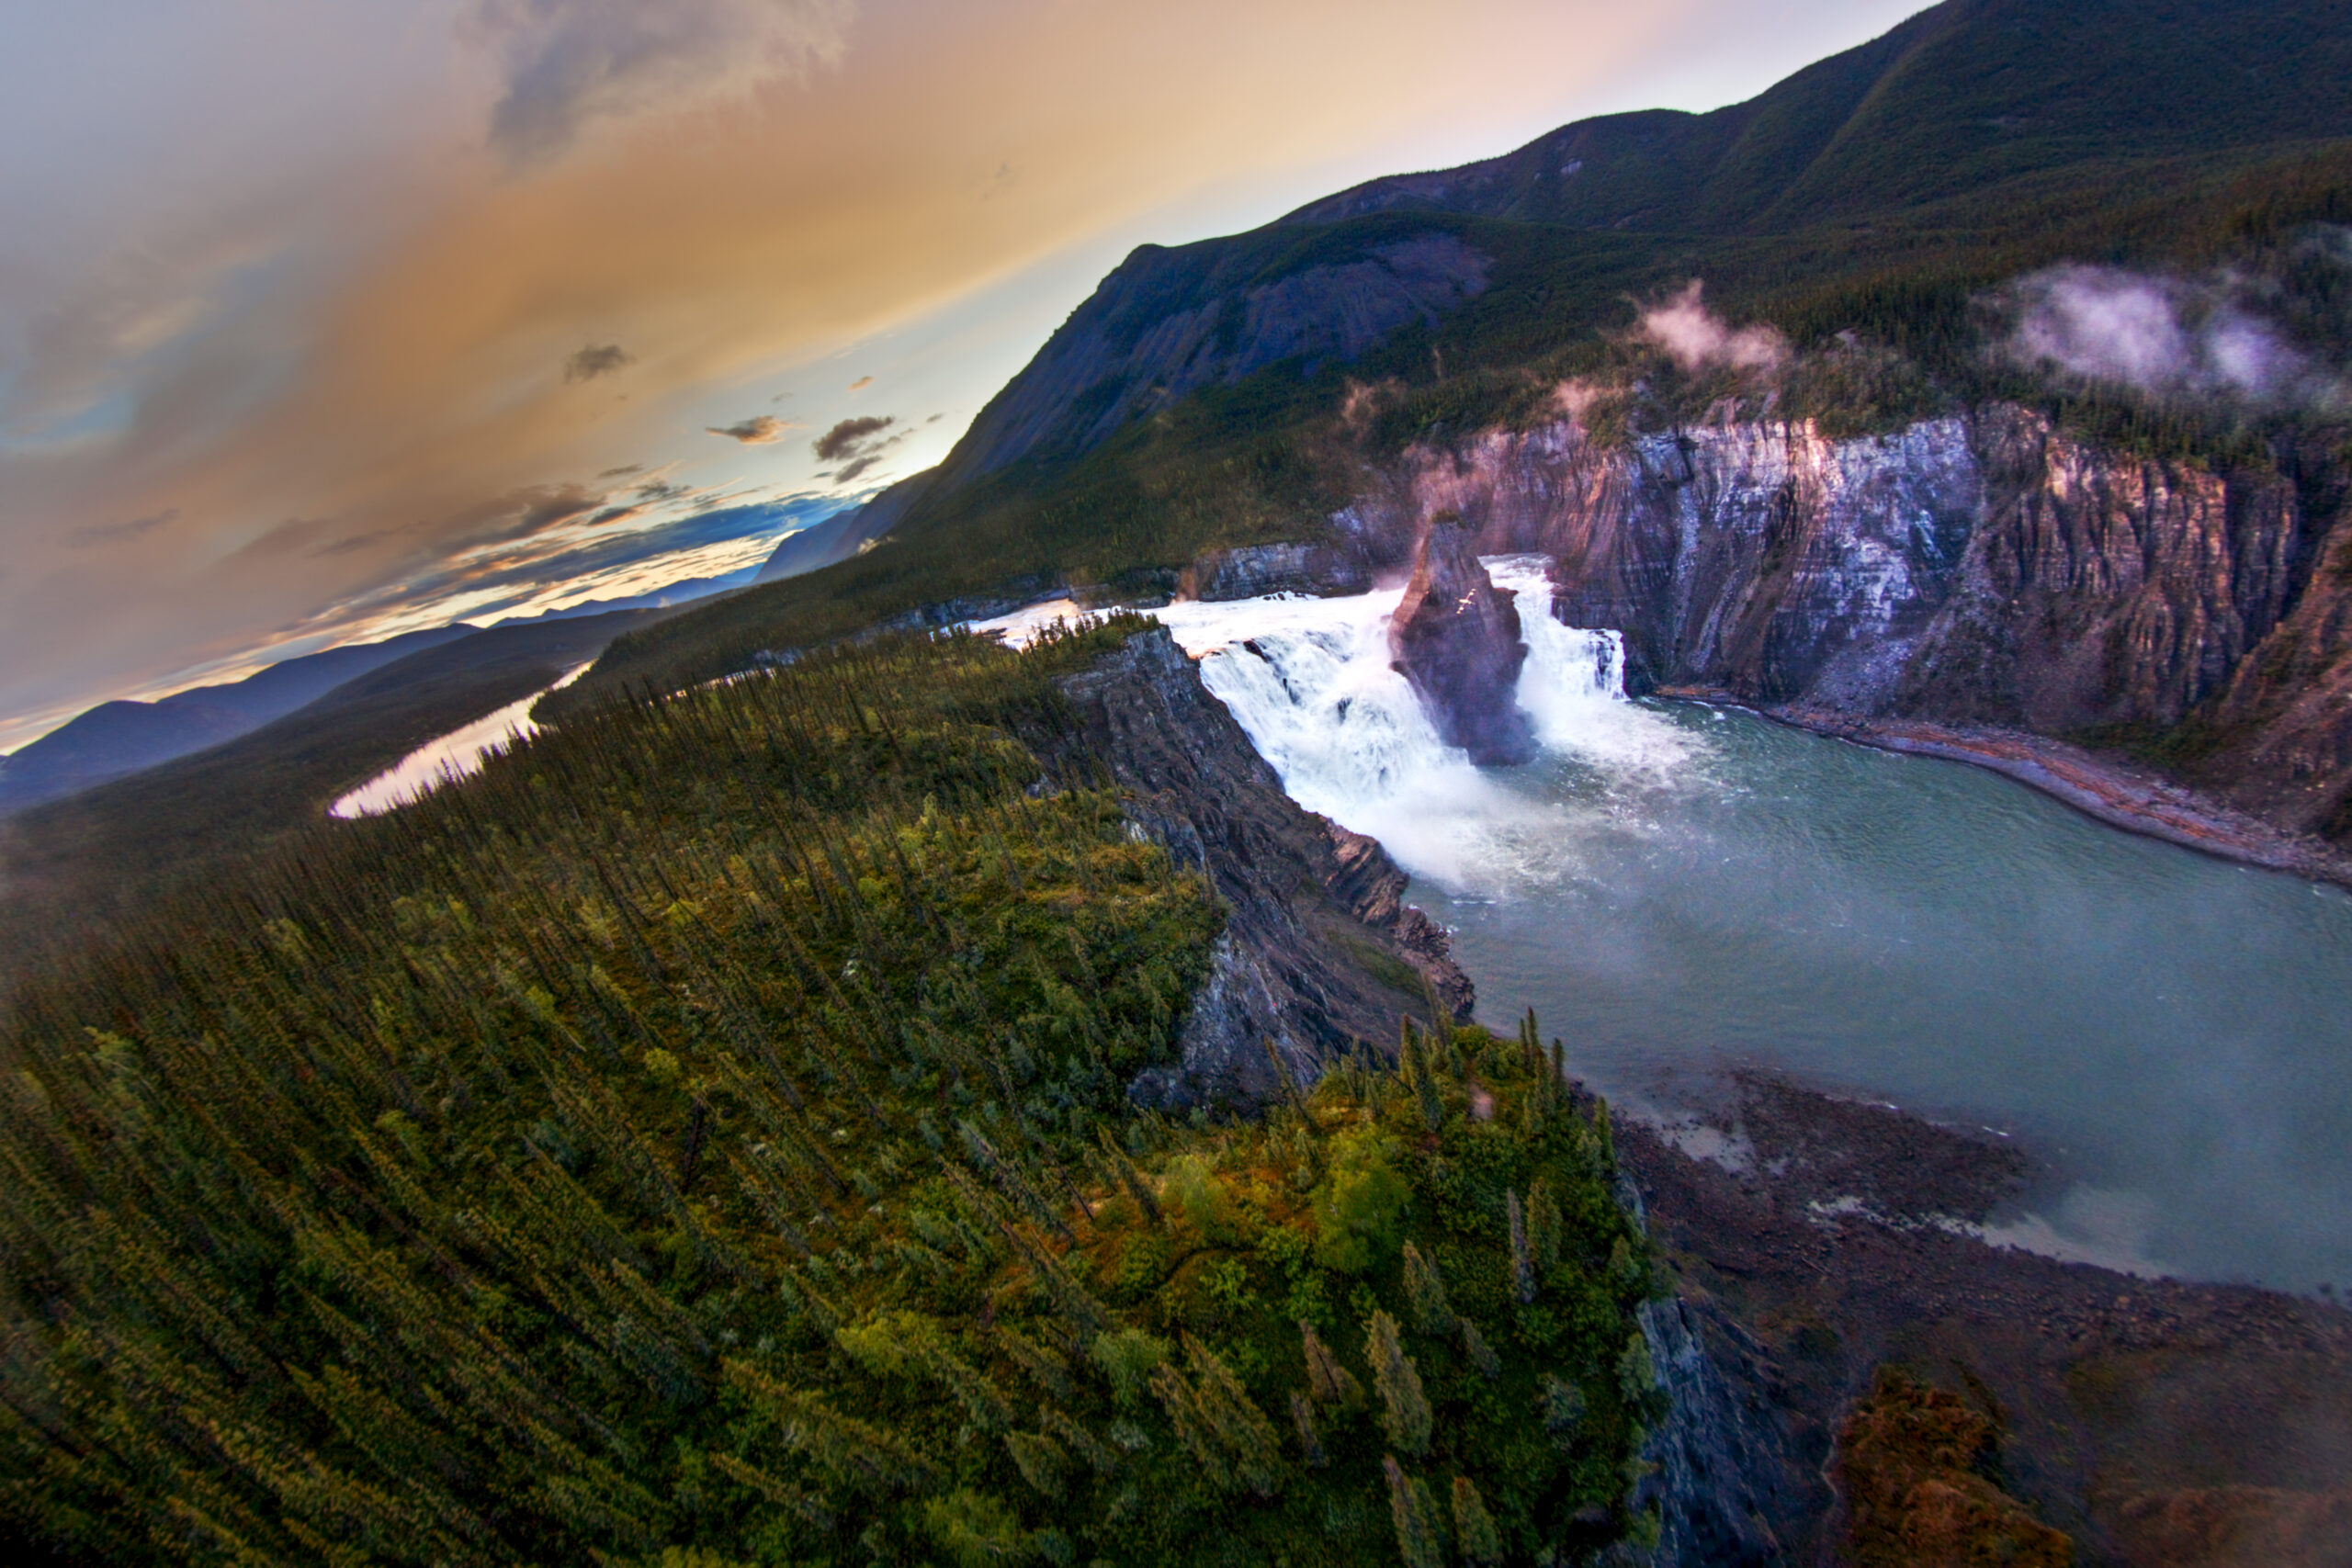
1986 570
1320 953
1456 637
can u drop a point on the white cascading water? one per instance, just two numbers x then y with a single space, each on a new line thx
1573 685
1310 681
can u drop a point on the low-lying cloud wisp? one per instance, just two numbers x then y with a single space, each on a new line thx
595 359
1697 339
2161 337
760 430
851 437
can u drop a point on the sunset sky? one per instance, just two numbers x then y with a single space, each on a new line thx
323 321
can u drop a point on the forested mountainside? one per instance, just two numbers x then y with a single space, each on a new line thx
794 1118
708 1132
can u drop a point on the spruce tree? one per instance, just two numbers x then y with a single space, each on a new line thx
1543 1224
1480 1354
1523 1265
1332 1384
1405 1409
1415 1513
1430 1102
1426 1291
1240 1426
1310 1433
1636 1372
1041 1461
1474 1535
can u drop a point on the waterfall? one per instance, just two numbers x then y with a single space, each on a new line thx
1310 682
1573 686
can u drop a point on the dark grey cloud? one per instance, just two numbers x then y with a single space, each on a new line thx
569 61
89 534
760 430
623 471
544 507
851 436
849 471
356 542
592 360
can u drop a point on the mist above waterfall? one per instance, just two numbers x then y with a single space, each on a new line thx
1311 683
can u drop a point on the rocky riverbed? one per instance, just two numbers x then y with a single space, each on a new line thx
2153 1422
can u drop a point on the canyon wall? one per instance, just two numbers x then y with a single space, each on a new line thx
1320 953
1984 569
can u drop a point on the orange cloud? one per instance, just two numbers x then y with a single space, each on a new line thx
760 430
459 333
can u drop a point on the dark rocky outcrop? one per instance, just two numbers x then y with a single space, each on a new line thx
1257 569
1721 1463
1320 953
1456 637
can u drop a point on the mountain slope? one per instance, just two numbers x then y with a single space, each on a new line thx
115 738
1959 97
1242 391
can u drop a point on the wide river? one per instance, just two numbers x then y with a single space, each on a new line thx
1676 888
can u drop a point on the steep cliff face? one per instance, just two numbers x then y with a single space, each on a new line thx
1987 570
1320 953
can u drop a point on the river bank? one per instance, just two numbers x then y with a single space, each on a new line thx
2113 791
2154 1421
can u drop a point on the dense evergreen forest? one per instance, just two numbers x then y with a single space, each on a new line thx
701 1140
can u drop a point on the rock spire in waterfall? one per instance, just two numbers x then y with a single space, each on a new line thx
1455 637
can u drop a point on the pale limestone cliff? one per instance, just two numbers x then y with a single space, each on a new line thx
1984 570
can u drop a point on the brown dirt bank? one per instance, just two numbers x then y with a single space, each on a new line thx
2156 1422
2115 792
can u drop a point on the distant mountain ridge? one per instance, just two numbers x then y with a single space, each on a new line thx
119 737
1959 97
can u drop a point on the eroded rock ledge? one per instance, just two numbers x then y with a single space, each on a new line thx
1320 953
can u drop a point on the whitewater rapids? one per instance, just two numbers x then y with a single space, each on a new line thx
1310 681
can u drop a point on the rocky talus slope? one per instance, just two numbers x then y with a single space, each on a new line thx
1984 570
